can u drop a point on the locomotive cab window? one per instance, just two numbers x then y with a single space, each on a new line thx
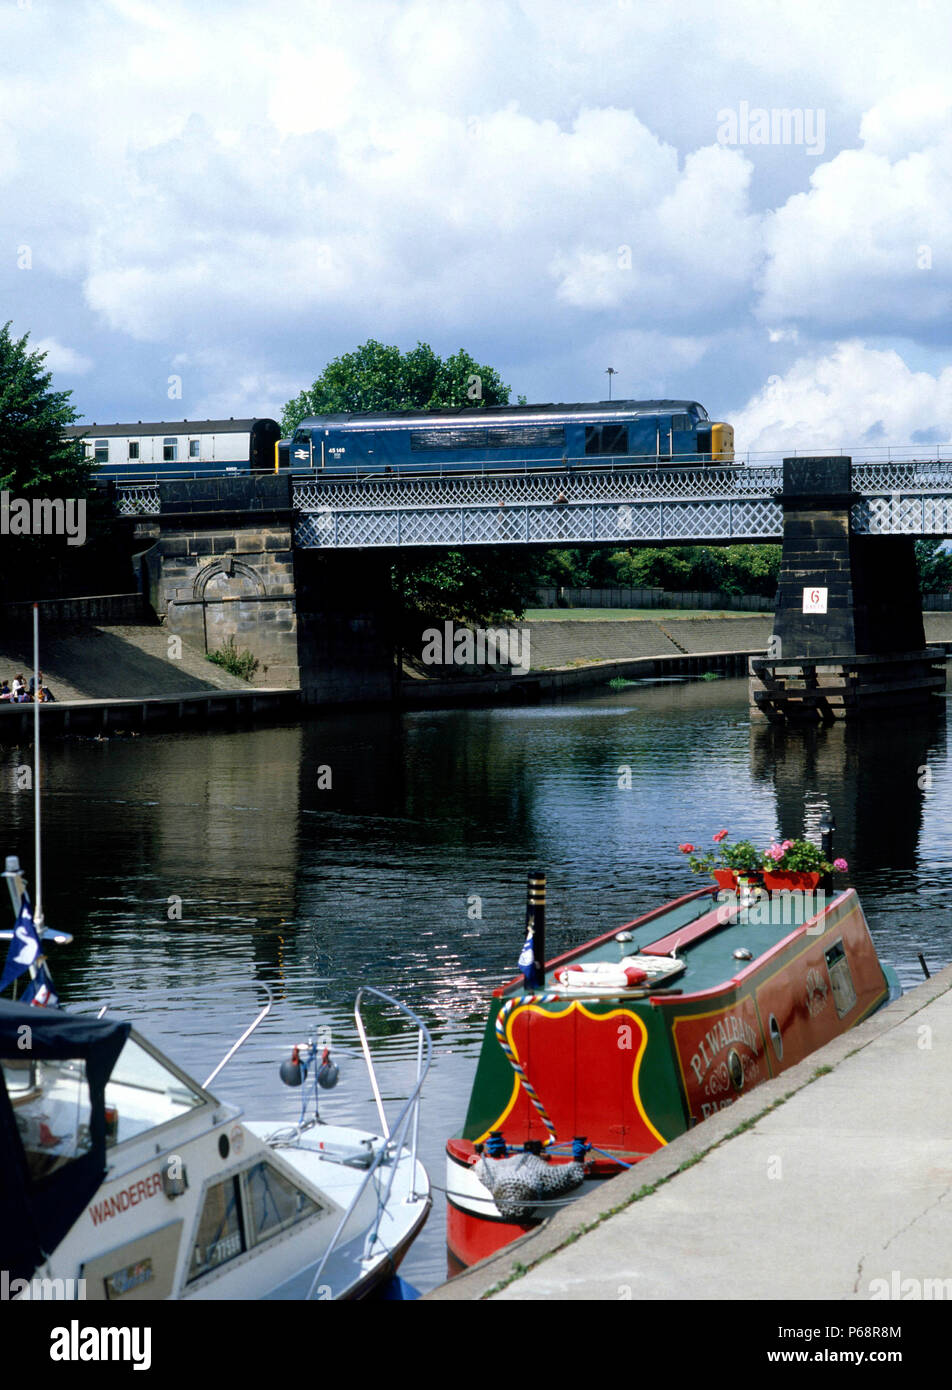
681 422
169 450
606 439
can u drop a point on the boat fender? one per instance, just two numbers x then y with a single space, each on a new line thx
292 1073
518 1183
327 1072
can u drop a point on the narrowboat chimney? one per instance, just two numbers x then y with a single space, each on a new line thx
535 924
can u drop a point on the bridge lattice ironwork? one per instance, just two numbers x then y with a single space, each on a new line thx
687 505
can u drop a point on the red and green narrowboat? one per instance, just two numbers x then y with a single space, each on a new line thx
603 1055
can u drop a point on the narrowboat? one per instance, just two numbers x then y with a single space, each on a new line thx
595 1059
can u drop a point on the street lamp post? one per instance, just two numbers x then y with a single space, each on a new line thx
610 372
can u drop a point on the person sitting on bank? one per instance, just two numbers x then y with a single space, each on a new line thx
33 680
46 695
17 687
5 692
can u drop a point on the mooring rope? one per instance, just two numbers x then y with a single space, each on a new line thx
501 1020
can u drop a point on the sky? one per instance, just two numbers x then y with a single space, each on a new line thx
202 202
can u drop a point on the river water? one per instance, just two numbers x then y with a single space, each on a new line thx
190 867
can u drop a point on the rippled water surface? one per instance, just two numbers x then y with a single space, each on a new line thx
432 819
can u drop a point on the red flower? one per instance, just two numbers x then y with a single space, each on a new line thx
721 835
686 849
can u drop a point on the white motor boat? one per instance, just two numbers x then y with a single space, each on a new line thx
125 1179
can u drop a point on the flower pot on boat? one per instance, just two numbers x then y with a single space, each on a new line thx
725 879
790 881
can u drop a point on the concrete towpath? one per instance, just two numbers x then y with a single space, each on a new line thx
834 1181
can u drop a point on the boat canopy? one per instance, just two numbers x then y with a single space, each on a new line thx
54 1067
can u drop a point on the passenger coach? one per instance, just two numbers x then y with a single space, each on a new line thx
179 448
602 434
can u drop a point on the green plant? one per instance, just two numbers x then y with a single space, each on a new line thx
797 856
238 663
743 857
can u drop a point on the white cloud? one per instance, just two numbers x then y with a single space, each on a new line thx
853 398
870 245
60 358
276 183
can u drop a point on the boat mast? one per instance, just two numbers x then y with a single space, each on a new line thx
38 859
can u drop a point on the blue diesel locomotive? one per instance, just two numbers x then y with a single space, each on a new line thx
612 434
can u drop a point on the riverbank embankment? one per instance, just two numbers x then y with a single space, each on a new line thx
833 1181
121 674
119 662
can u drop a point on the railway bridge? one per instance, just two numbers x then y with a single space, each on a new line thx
297 568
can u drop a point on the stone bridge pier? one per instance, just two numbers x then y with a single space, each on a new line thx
223 570
848 635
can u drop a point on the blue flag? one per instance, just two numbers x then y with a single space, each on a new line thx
24 948
527 961
40 991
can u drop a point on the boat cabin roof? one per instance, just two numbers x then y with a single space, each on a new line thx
704 931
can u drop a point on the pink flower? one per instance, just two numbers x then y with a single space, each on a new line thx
721 835
776 852
840 865
788 844
686 849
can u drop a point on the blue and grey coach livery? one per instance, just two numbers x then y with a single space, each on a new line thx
179 448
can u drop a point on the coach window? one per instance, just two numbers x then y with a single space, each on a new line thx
133 450
102 451
194 448
169 450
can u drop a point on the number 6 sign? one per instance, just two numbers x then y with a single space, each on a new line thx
814 600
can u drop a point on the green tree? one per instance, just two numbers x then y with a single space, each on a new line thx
479 586
935 566
35 458
378 377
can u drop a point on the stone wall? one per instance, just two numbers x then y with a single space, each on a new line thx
222 570
100 610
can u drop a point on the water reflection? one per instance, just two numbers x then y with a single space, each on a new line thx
191 868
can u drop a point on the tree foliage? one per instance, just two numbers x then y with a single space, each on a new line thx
731 569
478 586
35 458
934 563
378 377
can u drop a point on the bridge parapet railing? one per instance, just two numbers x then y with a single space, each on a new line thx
905 476
134 499
560 485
